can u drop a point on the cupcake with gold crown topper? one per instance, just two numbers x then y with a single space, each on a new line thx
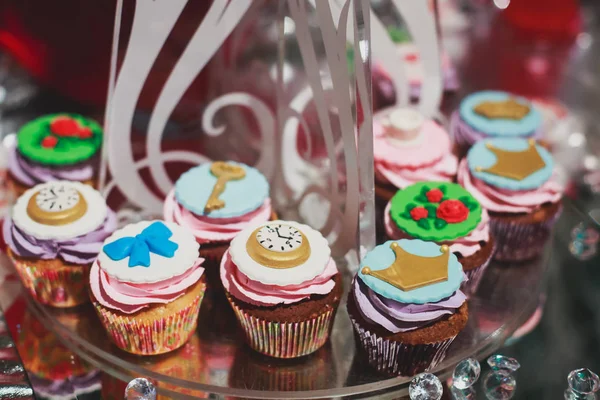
55 147
517 182
216 201
406 305
284 287
444 213
147 285
53 235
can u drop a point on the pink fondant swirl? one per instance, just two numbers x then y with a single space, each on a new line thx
243 288
465 246
509 201
130 297
213 230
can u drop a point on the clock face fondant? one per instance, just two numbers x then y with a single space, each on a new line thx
278 245
279 238
57 205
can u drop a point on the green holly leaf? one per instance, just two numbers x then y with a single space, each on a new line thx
440 223
410 206
425 189
471 206
424 223
431 210
442 189
405 215
465 200
422 198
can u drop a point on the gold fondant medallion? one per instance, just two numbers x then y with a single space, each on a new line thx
224 172
56 205
506 109
516 165
278 246
410 271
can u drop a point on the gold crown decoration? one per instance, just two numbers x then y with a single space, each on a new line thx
516 165
410 271
507 109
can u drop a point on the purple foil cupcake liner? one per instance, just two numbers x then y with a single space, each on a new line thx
284 339
396 358
474 275
521 242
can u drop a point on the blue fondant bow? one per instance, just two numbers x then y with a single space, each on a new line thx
153 239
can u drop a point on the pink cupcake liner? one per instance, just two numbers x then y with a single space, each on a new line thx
396 358
284 339
521 242
61 288
474 276
151 336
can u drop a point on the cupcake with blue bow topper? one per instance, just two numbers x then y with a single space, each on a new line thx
216 201
406 305
517 182
147 286
493 114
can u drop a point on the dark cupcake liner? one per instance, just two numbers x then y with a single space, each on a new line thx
517 241
474 275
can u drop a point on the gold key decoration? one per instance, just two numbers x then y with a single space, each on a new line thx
224 172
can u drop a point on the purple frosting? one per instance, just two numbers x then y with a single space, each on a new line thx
67 388
401 317
79 250
30 173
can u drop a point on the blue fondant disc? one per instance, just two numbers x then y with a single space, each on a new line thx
194 187
503 127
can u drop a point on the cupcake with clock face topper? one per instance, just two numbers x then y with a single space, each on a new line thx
53 235
55 147
284 287
409 148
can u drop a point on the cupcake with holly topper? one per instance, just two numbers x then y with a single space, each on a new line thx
406 305
516 181
409 148
55 147
493 114
53 235
444 213
216 201
283 286
147 285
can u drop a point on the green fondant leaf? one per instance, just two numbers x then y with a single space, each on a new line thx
424 223
442 188
431 211
440 223
471 206
425 189
422 198
405 215
465 200
410 206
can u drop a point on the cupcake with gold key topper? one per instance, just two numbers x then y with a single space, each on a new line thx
53 235
406 305
216 201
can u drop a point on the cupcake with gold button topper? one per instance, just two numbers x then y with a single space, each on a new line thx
444 213
147 285
55 147
406 305
53 235
284 287
517 182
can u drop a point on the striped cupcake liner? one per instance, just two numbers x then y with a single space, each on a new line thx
474 275
284 339
395 358
151 336
521 242
62 287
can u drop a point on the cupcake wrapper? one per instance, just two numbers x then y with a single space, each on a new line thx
151 336
62 288
521 242
474 275
284 339
396 358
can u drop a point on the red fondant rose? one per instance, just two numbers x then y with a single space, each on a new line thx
434 195
452 211
49 142
418 213
67 126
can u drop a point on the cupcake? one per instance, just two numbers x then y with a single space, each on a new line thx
55 147
216 201
444 213
491 114
515 180
406 306
283 286
53 235
407 149
147 285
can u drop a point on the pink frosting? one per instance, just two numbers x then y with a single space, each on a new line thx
465 246
210 230
428 159
253 292
509 201
130 297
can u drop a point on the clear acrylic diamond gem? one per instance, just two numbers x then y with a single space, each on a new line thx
466 373
498 362
583 381
140 389
425 387
499 385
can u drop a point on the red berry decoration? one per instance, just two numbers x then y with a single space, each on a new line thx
85 133
418 213
49 142
65 126
434 195
452 211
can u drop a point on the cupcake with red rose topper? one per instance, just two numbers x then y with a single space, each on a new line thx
444 213
55 147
